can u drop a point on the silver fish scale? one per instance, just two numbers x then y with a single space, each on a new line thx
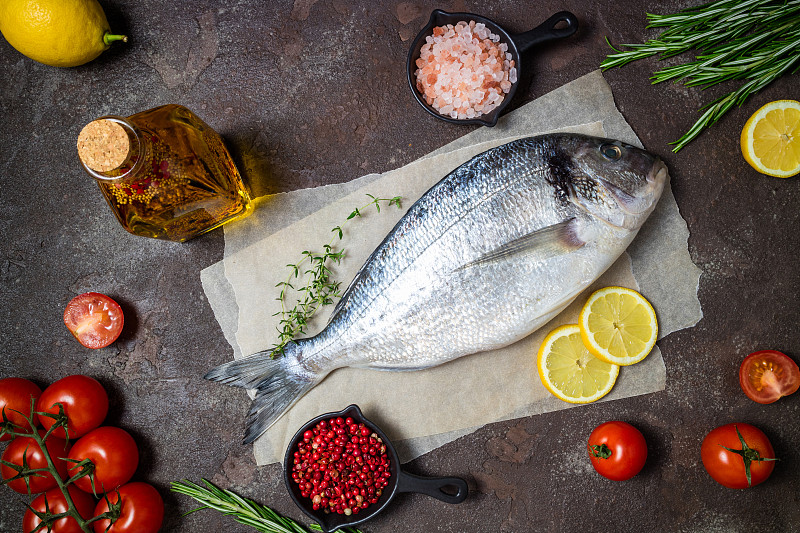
411 306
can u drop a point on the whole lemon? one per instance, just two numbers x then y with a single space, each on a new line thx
60 33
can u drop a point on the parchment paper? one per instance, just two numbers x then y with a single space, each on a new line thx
422 410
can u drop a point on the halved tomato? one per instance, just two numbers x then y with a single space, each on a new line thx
94 319
767 375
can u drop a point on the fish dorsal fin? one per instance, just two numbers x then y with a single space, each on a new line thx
546 242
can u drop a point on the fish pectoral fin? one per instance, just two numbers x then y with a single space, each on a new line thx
546 242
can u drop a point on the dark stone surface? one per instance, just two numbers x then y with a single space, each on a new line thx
314 93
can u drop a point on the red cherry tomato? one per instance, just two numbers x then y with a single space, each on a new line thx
142 510
56 503
94 319
15 398
114 454
617 450
767 375
737 455
34 459
85 403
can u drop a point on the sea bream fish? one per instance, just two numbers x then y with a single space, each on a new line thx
489 254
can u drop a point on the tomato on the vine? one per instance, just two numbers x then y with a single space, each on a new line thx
15 398
767 375
141 509
737 455
85 403
94 319
56 504
617 450
34 459
114 455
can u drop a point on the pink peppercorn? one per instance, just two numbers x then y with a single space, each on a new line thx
340 474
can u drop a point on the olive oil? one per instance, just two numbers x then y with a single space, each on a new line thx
164 173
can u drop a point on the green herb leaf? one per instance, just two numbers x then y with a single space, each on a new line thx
756 41
319 288
243 510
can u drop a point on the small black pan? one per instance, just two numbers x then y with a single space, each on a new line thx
398 482
517 44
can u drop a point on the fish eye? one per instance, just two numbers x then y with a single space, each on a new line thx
611 151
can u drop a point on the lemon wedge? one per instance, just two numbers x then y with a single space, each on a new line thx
618 325
771 139
569 371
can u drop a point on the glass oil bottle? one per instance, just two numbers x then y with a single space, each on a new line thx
164 173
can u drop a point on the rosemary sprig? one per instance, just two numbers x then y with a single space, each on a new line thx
319 288
757 41
243 510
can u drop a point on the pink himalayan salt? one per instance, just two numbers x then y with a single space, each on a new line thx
464 71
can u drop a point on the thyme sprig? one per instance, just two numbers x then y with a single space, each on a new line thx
319 288
243 510
756 41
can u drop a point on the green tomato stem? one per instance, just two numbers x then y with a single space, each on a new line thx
109 38
748 455
601 451
71 511
60 420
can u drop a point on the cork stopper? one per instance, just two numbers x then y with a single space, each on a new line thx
103 145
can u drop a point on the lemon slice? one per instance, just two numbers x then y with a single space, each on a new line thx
618 325
569 371
771 139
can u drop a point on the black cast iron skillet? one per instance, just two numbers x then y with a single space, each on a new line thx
517 44
446 489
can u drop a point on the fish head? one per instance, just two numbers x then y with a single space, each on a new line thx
615 182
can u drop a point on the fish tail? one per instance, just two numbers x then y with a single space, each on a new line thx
279 384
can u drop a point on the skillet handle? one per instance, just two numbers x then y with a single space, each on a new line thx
547 31
433 486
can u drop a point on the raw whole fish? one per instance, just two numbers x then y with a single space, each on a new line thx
489 254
